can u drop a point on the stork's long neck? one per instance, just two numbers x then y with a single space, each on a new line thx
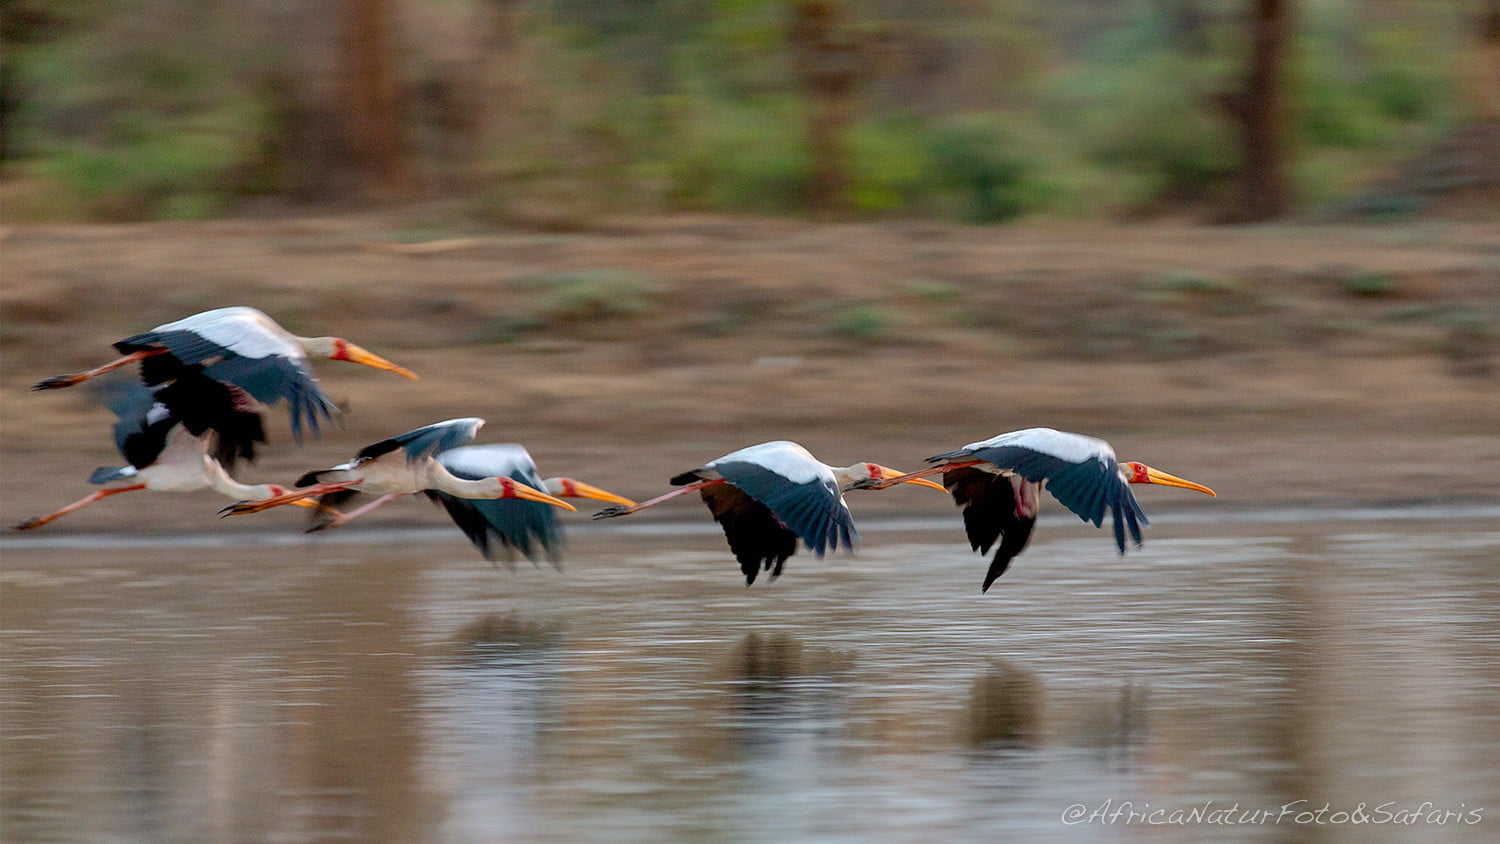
223 484
440 478
318 347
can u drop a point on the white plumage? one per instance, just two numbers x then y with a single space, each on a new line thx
245 331
785 458
504 526
405 464
488 460
1072 448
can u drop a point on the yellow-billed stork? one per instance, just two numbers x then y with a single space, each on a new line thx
402 465
767 496
165 455
998 482
241 347
497 526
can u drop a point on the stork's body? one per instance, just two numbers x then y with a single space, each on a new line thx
243 349
503 526
768 496
164 457
402 465
998 482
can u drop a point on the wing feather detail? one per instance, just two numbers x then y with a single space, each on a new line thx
530 527
241 351
814 511
1081 473
428 440
758 540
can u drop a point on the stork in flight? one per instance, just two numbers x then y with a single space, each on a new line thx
243 348
767 496
496 526
401 465
998 482
165 455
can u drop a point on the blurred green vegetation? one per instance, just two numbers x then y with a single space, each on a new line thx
977 112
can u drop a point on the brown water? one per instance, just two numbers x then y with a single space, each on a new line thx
411 693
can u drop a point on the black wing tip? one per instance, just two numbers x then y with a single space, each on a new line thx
997 568
685 478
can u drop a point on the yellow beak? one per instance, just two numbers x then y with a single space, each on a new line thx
887 473
522 491
1156 476
579 489
356 354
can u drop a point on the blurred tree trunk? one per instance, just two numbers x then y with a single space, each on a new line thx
498 73
828 65
1483 134
1259 111
1484 70
22 23
368 98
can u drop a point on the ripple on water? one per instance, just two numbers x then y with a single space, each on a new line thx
646 694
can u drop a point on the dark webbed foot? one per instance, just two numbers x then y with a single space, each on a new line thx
56 382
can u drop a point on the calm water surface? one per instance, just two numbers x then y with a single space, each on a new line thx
411 693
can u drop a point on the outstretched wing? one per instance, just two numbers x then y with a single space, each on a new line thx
1080 472
991 513
529 527
242 347
428 440
802 495
756 537
141 424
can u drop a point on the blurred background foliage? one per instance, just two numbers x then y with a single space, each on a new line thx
559 112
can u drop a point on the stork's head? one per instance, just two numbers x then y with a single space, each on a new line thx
337 348
570 488
876 472
512 488
1140 473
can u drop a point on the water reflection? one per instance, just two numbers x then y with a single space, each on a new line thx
1004 708
155 697
784 692
490 709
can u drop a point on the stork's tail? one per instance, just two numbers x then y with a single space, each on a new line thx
686 478
109 474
